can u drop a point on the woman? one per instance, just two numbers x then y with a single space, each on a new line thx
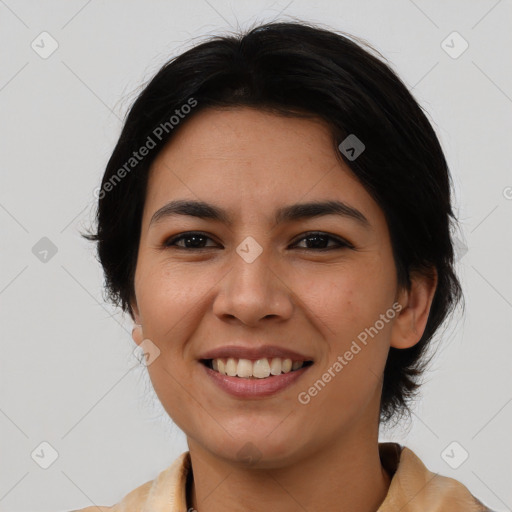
275 218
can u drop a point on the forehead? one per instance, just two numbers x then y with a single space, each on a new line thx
254 161
248 133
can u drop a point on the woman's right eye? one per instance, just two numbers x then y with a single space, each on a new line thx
195 239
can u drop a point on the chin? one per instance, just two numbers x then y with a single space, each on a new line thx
258 452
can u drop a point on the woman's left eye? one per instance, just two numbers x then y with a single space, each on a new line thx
316 239
319 238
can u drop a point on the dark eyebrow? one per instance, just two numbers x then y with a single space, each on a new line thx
289 213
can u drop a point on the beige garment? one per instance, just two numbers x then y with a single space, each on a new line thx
413 488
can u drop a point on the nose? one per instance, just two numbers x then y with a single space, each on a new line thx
251 292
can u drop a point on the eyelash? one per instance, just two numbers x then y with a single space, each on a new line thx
341 243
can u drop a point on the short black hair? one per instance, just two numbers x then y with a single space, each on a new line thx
299 69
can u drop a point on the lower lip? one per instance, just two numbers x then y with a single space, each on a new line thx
254 388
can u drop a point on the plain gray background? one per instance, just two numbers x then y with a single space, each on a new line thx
68 376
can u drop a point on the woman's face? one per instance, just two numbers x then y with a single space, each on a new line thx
248 283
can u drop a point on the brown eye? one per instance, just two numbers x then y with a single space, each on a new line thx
318 241
191 240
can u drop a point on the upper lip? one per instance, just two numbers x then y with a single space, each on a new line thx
254 353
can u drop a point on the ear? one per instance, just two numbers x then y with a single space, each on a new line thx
135 311
137 333
410 324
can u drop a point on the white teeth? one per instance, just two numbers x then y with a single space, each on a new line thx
287 366
244 368
275 366
231 367
260 369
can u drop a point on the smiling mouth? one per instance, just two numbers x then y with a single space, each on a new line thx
258 369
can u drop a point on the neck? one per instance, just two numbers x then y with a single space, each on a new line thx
344 476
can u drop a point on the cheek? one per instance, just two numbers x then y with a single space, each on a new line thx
345 306
344 300
169 303
169 381
166 298
168 318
